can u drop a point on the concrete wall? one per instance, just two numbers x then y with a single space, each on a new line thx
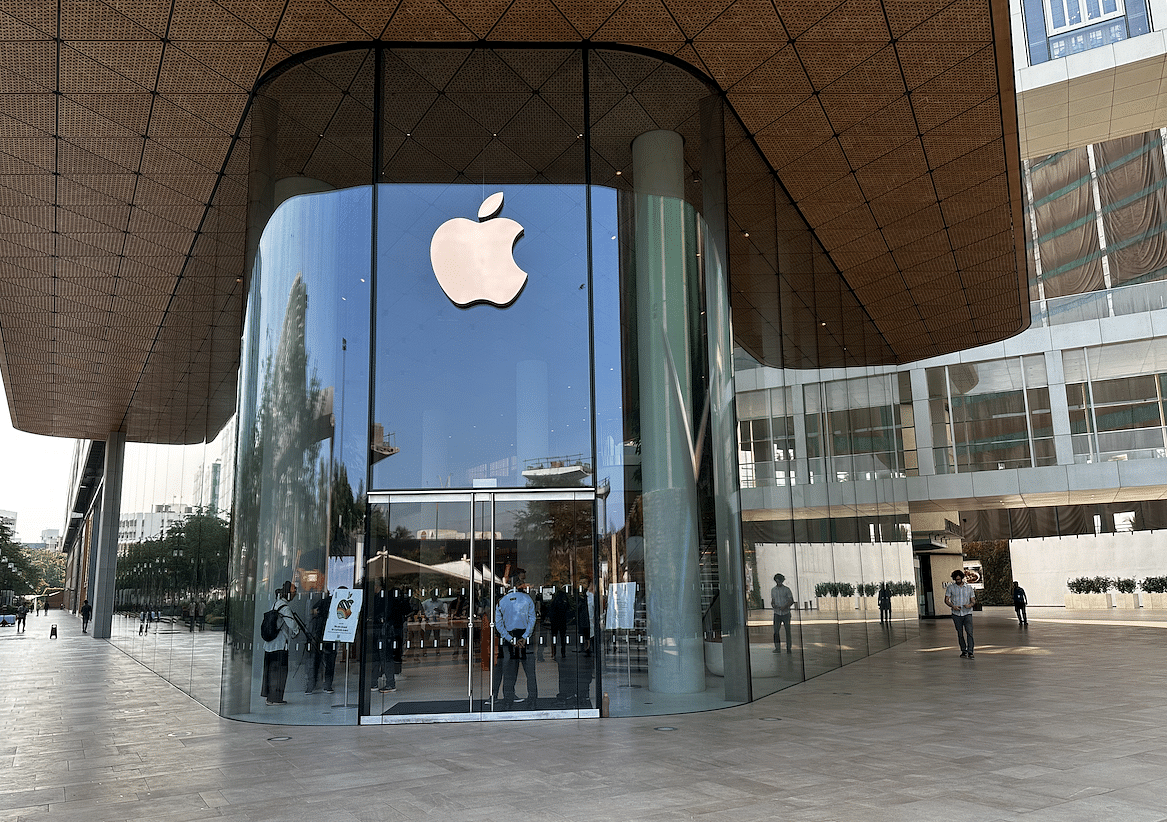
806 564
1043 565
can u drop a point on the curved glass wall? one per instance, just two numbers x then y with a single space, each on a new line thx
487 354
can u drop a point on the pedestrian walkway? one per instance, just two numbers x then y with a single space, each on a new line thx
1061 722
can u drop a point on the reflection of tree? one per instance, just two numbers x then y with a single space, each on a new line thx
564 526
283 484
187 562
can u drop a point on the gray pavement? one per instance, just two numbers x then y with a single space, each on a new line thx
1064 721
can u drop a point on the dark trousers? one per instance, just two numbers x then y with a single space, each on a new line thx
507 670
1022 616
781 620
964 629
323 661
275 675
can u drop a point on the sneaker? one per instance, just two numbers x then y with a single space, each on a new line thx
388 690
777 650
328 690
970 656
963 654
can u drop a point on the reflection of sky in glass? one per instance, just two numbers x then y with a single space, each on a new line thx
479 393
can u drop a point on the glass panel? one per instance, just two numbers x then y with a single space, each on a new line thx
543 549
416 648
483 396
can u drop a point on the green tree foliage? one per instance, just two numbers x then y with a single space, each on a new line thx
996 568
22 578
188 562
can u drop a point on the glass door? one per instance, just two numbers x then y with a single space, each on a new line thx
479 605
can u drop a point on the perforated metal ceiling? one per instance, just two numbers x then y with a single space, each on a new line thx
891 125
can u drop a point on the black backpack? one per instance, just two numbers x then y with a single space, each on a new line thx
269 629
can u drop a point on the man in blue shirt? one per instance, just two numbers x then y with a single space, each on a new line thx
514 620
961 598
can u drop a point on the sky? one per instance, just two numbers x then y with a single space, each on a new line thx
35 479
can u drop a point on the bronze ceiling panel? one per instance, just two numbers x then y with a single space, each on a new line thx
820 86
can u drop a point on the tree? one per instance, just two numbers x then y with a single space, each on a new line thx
17 573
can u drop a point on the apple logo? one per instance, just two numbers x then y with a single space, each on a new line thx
474 261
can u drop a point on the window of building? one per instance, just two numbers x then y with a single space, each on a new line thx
765 439
1080 25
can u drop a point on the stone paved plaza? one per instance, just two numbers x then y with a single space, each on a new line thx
1062 722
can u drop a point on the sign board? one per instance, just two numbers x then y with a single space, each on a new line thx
343 615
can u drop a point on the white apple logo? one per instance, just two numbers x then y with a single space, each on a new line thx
474 261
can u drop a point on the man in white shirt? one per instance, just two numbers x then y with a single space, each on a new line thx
781 599
961 598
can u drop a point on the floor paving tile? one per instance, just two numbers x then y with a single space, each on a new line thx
1066 721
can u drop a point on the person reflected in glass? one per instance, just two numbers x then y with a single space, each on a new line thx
781 600
323 653
275 651
514 620
433 613
961 598
381 650
884 605
397 615
558 613
1019 603
586 614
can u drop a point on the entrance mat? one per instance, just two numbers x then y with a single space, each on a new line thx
458 706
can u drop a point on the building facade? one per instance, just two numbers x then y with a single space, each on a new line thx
733 234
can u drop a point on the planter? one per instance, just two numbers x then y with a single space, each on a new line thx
904 603
1088 602
1154 600
828 604
1122 600
868 604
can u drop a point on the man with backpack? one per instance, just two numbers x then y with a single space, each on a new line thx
276 630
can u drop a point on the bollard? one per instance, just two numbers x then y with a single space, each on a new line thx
53 632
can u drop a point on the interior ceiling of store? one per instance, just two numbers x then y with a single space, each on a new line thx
892 127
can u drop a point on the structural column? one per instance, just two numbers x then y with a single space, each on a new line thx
664 283
722 408
104 552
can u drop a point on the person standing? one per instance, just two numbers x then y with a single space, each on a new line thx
884 600
961 598
323 652
86 615
781 599
514 620
1019 603
275 651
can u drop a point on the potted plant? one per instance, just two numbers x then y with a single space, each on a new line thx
1154 592
846 596
1088 592
1125 596
826 595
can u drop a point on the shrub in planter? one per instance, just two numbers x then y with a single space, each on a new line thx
1124 586
1154 585
1089 585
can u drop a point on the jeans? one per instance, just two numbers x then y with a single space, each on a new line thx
963 623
